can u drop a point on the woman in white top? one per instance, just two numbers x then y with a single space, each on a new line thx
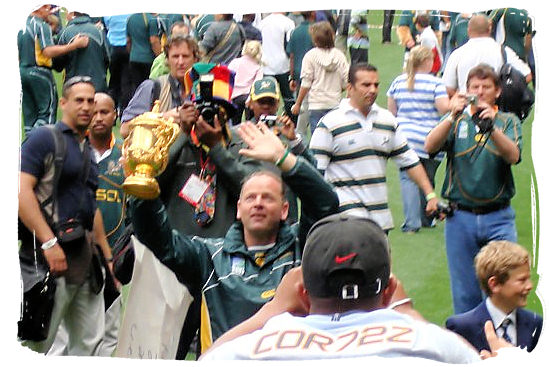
417 99
324 74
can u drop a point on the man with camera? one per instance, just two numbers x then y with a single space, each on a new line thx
181 53
481 145
203 150
59 222
264 103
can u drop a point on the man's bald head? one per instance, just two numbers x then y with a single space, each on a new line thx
104 98
479 26
104 116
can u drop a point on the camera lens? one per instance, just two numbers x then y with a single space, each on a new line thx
208 114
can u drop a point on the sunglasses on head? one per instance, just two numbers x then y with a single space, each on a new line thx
77 79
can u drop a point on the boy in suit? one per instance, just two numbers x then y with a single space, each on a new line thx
503 270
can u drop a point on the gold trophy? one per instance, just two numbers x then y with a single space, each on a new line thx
145 152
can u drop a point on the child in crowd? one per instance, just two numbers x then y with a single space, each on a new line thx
248 69
503 270
358 39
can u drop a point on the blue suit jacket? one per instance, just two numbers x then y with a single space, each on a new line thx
470 325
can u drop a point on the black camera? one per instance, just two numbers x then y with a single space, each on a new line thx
269 120
443 208
485 125
472 99
207 107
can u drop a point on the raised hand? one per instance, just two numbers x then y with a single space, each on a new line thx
495 343
262 143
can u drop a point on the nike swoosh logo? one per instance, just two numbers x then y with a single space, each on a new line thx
342 259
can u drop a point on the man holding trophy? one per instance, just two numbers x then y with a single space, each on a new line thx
204 152
236 274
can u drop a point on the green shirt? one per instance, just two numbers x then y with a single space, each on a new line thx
171 19
109 194
159 67
202 24
486 180
458 35
298 44
92 60
233 280
35 28
139 27
516 24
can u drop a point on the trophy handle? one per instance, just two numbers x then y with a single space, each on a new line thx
175 132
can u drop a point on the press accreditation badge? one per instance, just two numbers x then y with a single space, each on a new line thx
463 131
237 265
193 190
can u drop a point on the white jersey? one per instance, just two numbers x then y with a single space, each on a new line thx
381 333
276 29
352 152
474 52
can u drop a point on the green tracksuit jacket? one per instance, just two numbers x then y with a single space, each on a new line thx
222 270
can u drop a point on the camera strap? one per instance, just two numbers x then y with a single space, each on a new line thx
83 177
59 158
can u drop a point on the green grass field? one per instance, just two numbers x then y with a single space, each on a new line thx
419 260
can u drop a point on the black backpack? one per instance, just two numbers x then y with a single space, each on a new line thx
37 303
515 96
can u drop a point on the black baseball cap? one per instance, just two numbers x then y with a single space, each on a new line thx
346 257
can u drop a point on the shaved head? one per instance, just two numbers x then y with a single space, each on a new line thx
479 26
101 97
104 117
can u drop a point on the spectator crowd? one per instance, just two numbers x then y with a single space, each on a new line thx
273 215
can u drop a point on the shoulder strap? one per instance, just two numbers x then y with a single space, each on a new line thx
145 19
87 161
222 42
59 158
83 177
156 91
503 53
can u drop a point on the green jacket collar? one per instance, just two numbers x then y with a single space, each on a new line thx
234 242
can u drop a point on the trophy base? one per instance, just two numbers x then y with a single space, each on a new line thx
141 187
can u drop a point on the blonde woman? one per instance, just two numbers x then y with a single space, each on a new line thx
417 99
248 69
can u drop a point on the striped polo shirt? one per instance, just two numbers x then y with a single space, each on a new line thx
416 111
352 152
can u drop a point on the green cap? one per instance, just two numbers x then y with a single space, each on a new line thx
265 87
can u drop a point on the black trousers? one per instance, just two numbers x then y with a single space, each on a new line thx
239 102
119 82
358 55
386 28
138 72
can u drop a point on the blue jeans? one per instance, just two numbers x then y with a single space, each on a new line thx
465 234
414 201
315 116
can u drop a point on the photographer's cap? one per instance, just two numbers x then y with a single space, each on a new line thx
265 87
346 257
